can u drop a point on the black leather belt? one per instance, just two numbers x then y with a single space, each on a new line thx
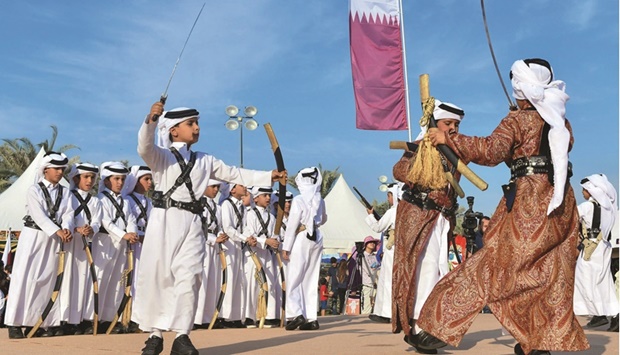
193 207
28 222
538 164
422 200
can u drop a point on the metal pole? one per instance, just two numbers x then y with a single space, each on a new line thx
241 140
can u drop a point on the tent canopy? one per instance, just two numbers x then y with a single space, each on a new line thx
345 220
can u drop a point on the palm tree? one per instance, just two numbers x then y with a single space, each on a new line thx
329 178
17 154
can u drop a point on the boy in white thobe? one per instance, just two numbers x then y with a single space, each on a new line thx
212 268
595 294
117 233
303 245
77 282
382 311
174 242
47 227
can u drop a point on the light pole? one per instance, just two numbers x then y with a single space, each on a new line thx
235 122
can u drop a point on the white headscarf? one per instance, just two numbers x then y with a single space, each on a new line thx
225 188
308 182
260 190
51 160
534 83
170 119
135 173
110 168
605 194
79 169
396 190
443 111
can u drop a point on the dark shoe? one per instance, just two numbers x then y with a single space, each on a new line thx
249 323
16 333
133 327
314 325
613 325
218 324
596 322
118 329
58 331
519 351
154 346
379 319
183 346
296 322
424 341
37 334
49 332
73 329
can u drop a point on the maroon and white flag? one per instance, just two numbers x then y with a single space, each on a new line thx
377 64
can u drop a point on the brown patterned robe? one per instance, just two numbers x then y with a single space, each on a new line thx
413 228
525 272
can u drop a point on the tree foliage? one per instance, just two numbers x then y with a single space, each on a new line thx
17 154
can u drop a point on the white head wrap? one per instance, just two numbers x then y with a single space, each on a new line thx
225 188
170 119
213 182
443 111
110 168
51 160
135 173
79 169
309 185
395 189
605 194
534 83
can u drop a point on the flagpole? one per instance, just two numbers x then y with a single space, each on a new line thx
402 35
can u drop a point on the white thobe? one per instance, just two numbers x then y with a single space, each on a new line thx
77 281
36 260
433 263
302 273
141 223
212 273
383 300
173 251
233 307
110 256
265 256
595 293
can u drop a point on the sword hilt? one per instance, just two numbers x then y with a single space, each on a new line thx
162 99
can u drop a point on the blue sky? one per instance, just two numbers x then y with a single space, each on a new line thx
94 68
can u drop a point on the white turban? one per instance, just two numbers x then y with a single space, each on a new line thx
534 82
444 111
135 173
170 119
79 169
51 160
309 182
110 168
225 188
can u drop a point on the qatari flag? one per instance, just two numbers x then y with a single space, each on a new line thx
377 64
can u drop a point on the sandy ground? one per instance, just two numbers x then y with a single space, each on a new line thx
338 335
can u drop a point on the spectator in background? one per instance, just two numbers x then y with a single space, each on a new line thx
342 281
369 274
333 283
482 226
323 295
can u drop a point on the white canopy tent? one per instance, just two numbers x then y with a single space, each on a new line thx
345 220
13 199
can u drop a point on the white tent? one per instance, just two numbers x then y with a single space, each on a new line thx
345 220
13 199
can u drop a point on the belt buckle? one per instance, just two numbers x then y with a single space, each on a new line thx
529 170
167 202
423 196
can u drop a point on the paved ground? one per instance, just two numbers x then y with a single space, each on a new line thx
338 335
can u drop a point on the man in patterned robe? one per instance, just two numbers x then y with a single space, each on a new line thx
525 272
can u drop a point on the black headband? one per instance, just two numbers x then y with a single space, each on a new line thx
142 167
265 189
118 171
583 181
451 109
88 168
181 114
313 175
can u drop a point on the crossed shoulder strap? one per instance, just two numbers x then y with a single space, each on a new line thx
238 213
264 230
52 207
117 206
83 205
